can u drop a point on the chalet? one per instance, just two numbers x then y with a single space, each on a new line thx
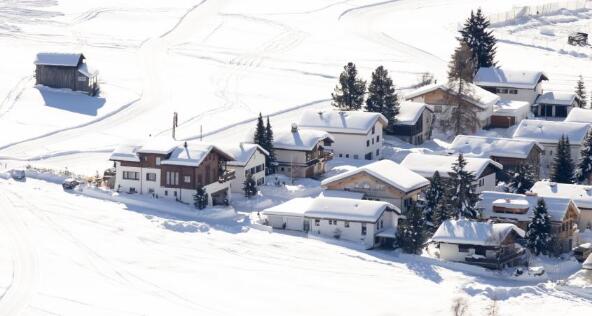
357 135
488 245
579 115
383 180
300 153
247 159
167 169
509 152
555 104
442 96
516 85
548 133
414 122
580 194
518 209
65 71
289 215
483 169
507 113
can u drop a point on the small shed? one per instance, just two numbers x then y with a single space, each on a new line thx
65 71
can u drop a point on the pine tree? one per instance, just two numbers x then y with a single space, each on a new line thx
200 198
522 179
562 170
538 235
479 39
432 197
349 92
269 160
259 137
584 168
411 231
464 198
382 97
581 92
444 209
250 186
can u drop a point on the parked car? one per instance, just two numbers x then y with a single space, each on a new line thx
582 251
18 174
70 184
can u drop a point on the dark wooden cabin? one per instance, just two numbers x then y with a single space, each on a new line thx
61 70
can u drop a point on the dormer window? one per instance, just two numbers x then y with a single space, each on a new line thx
373 129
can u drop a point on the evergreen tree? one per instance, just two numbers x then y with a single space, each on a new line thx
432 197
349 92
584 168
444 209
200 198
260 138
382 97
411 231
269 160
581 92
250 186
538 235
479 39
522 179
563 167
464 197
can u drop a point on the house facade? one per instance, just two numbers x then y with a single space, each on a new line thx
516 85
61 70
555 104
356 134
248 159
383 180
414 122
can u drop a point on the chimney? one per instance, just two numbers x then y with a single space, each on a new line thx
507 200
294 128
553 184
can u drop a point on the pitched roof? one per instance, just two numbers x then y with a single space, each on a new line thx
158 145
58 59
487 147
557 98
556 206
293 207
332 121
475 95
579 115
348 209
467 232
580 194
505 107
427 165
551 131
192 155
242 152
497 77
588 263
342 194
125 152
302 139
410 112
387 171
87 71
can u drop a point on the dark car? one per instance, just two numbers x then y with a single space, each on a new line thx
70 184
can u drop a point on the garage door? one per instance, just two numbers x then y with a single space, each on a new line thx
276 221
294 223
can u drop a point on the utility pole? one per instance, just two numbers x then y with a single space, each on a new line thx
175 124
200 132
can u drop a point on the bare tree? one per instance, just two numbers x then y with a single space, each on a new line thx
460 307
425 79
493 309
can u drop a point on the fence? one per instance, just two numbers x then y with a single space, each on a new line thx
518 13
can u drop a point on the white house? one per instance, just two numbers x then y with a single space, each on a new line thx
555 104
414 122
517 85
580 194
247 159
508 112
357 135
289 215
579 115
548 133
483 169
486 244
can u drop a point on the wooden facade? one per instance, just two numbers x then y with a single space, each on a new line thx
67 77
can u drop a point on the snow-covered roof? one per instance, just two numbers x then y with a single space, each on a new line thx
293 207
467 232
301 139
58 59
556 206
125 152
580 194
579 115
487 147
342 194
242 152
556 98
333 121
474 94
86 70
551 131
588 263
158 145
348 209
497 77
410 112
505 107
427 165
192 155
387 171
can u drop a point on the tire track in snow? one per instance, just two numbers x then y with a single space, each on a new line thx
13 95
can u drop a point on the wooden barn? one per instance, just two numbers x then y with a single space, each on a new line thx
62 70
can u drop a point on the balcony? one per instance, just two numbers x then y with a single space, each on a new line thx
227 175
498 262
324 156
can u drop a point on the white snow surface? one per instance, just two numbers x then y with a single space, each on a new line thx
511 78
511 108
410 112
241 153
301 139
579 115
348 209
467 232
551 131
474 94
558 98
486 147
580 194
334 121
58 59
426 165
556 206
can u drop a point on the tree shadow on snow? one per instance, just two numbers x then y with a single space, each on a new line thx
67 100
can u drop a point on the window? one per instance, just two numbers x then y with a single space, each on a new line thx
372 141
259 168
513 91
377 138
332 222
367 143
260 181
282 169
346 224
373 129
253 170
175 193
317 222
327 142
81 78
158 161
151 176
377 152
363 229
187 179
172 178
166 193
131 175
381 224
340 155
346 155
463 248
502 90
356 157
438 108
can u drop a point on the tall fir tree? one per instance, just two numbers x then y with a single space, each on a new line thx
562 169
521 179
464 198
584 167
581 92
432 197
538 235
382 97
349 92
445 209
260 138
480 40
411 232
270 159
200 198
250 186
